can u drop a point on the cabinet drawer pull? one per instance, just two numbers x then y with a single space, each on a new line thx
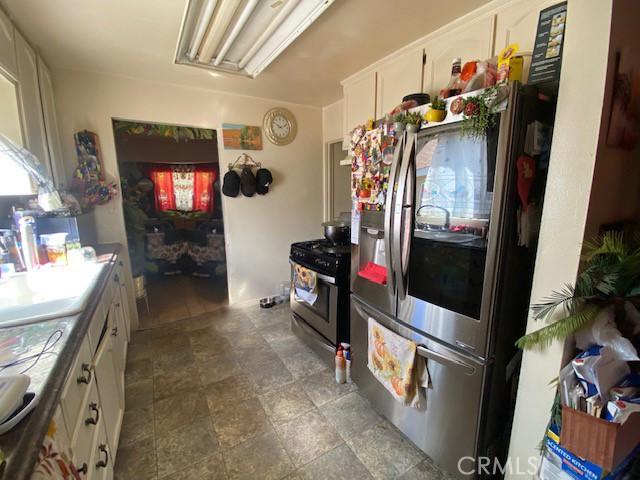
114 332
85 378
120 263
102 448
83 469
93 420
116 278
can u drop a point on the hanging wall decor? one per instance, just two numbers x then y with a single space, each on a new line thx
241 137
242 178
88 180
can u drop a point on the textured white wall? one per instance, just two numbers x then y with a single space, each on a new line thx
258 230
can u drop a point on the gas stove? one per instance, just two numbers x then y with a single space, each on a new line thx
323 257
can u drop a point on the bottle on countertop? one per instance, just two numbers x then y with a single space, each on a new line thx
340 367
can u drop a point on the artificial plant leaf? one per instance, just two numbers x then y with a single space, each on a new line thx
559 330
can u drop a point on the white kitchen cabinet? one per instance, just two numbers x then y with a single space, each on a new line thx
51 124
110 388
396 78
517 23
359 101
30 102
473 41
7 46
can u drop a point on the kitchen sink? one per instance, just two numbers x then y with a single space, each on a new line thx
45 294
450 237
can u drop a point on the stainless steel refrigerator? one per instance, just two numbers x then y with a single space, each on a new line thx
457 283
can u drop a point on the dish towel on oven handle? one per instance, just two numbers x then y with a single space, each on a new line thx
394 362
305 283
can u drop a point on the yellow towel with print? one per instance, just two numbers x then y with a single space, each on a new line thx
393 361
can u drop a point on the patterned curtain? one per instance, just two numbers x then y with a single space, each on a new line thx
204 178
162 178
183 188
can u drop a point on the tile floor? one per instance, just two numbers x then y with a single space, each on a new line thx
177 297
233 394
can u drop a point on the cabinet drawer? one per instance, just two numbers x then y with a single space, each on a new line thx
77 386
85 434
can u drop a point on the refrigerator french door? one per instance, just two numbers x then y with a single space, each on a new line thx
441 233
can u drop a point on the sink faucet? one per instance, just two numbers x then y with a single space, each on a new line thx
447 218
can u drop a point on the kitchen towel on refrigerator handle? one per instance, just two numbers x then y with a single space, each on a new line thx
394 362
305 283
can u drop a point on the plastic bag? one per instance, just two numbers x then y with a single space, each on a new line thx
598 369
603 331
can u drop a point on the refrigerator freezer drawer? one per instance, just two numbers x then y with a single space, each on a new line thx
445 427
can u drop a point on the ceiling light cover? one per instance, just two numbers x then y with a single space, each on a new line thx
242 36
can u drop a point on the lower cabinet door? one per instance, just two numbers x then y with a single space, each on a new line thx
110 390
102 459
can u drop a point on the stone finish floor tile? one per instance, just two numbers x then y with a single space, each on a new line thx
236 423
262 457
136 461
286 403
185 446
307 437
322 388
228 392
385 452
232 393
338 464
350 415
211 468
138 395
179 410
136 425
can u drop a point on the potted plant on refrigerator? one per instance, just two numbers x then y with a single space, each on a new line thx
399 120
437 111
413 121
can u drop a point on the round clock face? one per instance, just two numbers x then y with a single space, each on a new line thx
280 126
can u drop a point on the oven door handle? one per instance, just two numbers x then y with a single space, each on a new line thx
445 360
321 276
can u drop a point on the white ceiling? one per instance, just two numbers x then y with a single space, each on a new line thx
138 38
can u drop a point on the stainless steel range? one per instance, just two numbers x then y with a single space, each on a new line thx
321 320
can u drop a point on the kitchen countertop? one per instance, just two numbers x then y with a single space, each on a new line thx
48 375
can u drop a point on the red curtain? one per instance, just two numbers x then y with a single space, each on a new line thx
203 180
162 178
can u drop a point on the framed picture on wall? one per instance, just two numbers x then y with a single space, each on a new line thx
241 137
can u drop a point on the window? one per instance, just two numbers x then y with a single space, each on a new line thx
183 188
13 179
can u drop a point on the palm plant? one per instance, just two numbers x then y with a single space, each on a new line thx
611 276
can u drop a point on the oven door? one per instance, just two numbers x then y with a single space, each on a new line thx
321 315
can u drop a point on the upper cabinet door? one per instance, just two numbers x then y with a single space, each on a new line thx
51 124
30 102
359 101
398 77
517 23
7 46
473 41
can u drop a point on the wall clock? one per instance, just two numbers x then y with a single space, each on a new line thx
280 126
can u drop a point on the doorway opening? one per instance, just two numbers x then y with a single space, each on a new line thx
170 180
338 181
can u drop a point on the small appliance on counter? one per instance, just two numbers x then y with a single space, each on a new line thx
320 289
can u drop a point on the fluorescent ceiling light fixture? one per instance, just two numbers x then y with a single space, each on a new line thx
242 36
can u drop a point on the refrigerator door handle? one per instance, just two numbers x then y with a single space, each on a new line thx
445 360
403 213
388 213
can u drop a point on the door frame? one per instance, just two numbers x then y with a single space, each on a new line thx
327 179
